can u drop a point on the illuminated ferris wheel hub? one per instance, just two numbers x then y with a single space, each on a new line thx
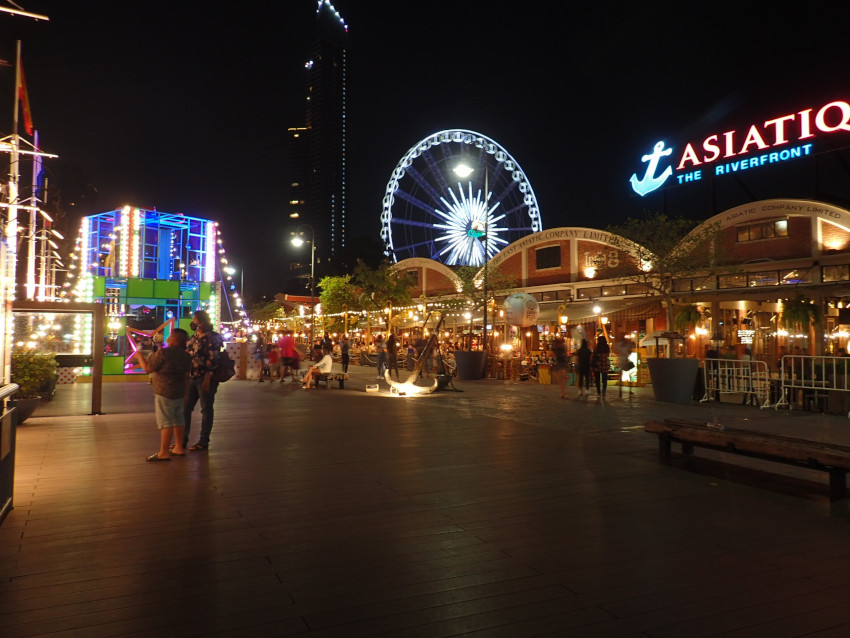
456 197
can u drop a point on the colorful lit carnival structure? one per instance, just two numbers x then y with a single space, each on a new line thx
149 269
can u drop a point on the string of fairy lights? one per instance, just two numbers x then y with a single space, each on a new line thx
120 252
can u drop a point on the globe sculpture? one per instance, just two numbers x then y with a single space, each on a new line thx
521 309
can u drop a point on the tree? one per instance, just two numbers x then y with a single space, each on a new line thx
471 284
338 294
656 251
471 294
381 287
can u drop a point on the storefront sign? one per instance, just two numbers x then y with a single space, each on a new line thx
746 336
776 140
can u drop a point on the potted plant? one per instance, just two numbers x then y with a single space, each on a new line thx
31 370
655 252
472 295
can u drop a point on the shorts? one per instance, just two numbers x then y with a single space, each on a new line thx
290 362
169 412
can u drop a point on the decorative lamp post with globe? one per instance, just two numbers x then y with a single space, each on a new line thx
297 241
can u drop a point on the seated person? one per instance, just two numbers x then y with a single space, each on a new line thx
324 365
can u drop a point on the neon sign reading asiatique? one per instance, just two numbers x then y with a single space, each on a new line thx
777 140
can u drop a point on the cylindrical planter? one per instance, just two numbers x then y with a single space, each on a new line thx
673 379
25 407
470 364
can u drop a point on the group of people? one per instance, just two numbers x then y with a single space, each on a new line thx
183 374
280 359
592 366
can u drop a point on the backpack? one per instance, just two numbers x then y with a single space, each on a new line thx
226 368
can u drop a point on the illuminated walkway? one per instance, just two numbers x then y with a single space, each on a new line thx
497 511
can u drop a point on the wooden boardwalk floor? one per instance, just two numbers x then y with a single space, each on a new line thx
497 511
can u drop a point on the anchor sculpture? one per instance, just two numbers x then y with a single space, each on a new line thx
409 387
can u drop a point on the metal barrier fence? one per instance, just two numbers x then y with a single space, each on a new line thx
733 376
815 382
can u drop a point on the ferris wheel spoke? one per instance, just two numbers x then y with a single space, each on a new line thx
415 201
420 181
414 245
434 169
411 222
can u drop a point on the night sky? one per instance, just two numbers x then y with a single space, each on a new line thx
184 106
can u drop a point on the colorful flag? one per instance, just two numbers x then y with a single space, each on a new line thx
23 96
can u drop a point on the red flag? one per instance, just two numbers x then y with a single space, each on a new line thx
23 96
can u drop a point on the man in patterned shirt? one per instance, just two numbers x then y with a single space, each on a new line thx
205 349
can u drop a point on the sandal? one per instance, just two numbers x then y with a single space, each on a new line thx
153 458
178 454
199 447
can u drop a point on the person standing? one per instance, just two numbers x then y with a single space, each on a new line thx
583 356
169 370
624 349
559 367
344 351
205 349
289 356
381 349
392 354
602 362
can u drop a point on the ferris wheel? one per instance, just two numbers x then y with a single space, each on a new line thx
455 197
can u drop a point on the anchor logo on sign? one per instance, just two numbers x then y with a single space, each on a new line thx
650 182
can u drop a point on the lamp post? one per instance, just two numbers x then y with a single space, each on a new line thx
297 241
462 170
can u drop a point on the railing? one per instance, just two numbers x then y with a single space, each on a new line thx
733 376
806 379
7 449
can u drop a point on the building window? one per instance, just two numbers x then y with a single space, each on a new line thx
763 230
836 273
412 277
613 291
637 289
763 278
549 257
732 281
796 276
589 293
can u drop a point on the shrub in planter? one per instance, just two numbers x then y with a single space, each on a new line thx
32 370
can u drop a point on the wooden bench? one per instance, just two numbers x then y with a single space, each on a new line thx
828 457
327 377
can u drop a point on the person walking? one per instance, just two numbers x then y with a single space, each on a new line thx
559 367
344 351
624 349
381 349
583 356
289 356
601 364
169 370
392 354
205 349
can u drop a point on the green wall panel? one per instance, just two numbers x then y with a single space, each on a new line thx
163 289
113 365
140 288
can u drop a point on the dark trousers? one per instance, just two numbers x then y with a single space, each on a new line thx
601 381
207 399
345 363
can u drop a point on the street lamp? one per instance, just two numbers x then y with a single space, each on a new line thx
462 171
297 241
